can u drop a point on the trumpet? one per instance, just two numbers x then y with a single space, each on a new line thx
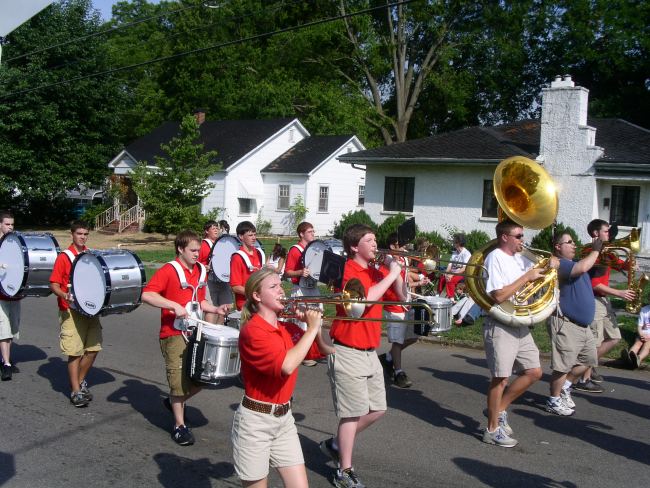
353 301
429 258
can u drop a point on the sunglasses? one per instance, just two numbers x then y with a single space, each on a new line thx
517 236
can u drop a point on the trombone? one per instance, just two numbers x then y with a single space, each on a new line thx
430 259
354 303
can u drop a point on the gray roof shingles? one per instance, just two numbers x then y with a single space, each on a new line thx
307 154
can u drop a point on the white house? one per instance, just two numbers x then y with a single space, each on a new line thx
266 164
601 168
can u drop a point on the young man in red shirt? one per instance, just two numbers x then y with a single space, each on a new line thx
245 261
165 291
81 336
9 312
211 233
356 375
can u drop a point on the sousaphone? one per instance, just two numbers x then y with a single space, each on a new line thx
526 195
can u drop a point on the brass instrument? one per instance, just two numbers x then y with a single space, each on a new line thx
430 259
527 195
353 301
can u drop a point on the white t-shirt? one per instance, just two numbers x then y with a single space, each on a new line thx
459 259
504 269
644 321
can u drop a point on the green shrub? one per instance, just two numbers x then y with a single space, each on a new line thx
356 217
262 226
476 239
91 213
544 240
389 226
444 246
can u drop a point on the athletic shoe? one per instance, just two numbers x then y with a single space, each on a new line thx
14 368
558 407
347 479
78 399
627 360
327 448
503 423
182 436
6 372
402 380
595 377
499 438
86 391
634 360
309 363
565 396
389 371
587 386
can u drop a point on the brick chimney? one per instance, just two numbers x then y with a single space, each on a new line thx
199 114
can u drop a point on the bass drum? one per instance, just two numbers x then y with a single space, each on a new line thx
312 258
26 263
223 249
107 282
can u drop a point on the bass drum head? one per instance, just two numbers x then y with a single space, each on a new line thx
222 251
312 258
89 284
13 262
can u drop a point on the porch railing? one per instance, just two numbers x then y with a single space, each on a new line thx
108 216
132 215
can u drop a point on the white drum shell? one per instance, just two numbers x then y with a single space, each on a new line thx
107 282
220 354
442 318
27 260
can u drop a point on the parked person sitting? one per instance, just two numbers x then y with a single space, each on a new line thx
459 258
634 356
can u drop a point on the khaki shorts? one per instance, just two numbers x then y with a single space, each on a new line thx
508 350
174 349
218 293
396 330
357 382
604 325
79 333
9 319
260 440
571 345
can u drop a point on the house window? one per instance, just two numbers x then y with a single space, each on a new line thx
490 204
362 195
323 198
398 194
247 206
283 197
624 208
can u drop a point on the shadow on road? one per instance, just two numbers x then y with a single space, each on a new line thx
56 372
177 471
500 476
7 467
25 353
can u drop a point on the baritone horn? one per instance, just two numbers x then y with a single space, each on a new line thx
353 301
527 195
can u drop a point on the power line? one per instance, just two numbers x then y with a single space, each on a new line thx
209 48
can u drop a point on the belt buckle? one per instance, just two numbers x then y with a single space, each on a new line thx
280 410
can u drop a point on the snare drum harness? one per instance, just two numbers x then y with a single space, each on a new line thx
247 260
194 306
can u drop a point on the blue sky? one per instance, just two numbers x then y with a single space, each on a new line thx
104 6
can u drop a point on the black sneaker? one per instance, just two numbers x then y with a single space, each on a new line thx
634 360
587 386
595 377
78 399
85 390
6 372
402 380
627 360
387 365
347 478
182 436
327 448
14 368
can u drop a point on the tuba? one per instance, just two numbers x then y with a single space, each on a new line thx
527 195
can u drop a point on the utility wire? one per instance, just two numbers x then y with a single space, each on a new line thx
209 48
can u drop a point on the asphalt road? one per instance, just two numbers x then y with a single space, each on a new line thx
429 437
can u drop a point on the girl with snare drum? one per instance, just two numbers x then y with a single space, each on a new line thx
263 431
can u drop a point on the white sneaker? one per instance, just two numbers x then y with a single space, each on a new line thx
558 407
565 396
503 423
499 438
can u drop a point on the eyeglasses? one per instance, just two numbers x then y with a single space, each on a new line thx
517 236
567 242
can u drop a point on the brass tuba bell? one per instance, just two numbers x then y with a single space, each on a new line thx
527 195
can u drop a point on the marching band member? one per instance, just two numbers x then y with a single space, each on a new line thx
81 336
508 348
263 430
9 312
460 256
211 232
356 375
245 261
171 288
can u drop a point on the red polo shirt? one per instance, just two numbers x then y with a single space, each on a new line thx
362 335
165 282
262 349
204 253
599 274
239 272
391 295
61 274
293 263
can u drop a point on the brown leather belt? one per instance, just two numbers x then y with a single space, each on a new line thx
268 408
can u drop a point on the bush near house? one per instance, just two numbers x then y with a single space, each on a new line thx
356 217
387 227
544 239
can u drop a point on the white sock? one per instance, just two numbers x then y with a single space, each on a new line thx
389 356
567 385
554 399
397 371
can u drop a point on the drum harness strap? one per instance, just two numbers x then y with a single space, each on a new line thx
194 306
247 260
70 255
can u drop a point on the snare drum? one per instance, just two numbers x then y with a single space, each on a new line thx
107 282
222 251
26 263
441 321
233 319
215 356
312 258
